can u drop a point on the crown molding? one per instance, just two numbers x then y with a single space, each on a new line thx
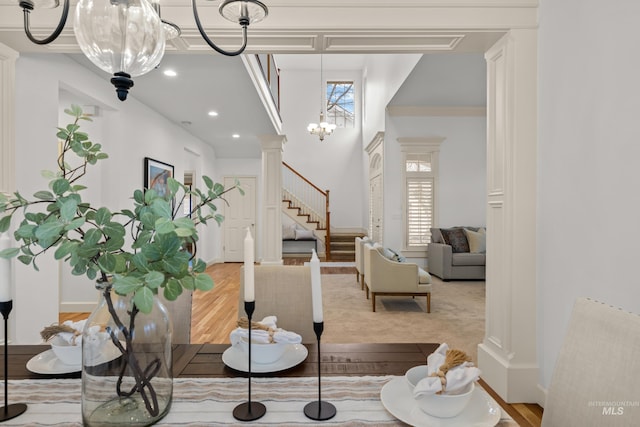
436 111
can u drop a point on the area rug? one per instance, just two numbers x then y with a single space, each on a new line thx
457 314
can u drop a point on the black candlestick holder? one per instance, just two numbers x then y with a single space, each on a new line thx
8 411
249 411
320 410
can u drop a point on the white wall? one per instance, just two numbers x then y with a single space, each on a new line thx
462 166
128 132
440 80
588 175
383 75
334 164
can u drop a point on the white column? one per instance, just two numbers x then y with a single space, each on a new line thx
507 355
8 59
272 198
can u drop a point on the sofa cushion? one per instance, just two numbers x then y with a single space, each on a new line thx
423 277
456 238
477 241
468 258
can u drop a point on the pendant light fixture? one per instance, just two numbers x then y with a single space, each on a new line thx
322 128
127 38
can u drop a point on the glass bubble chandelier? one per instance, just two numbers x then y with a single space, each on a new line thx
126 38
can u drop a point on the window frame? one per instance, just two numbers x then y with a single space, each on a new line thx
331 119
421 146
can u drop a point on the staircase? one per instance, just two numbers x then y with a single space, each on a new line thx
343 246
307 205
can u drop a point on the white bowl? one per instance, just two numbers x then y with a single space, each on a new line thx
263 353
65 352
438 405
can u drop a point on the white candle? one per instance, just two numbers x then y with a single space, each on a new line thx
249 290
316 288
5 270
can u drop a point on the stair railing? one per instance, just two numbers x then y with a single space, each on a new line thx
309 199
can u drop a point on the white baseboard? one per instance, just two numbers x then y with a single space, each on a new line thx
215 261
514 383
542 395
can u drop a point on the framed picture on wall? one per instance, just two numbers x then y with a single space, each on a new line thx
156 174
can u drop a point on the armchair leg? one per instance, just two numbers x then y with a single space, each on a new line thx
366 289
373 301
362 281
357 277
429 302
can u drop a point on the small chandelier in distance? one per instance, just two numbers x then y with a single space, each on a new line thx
126 38
322 128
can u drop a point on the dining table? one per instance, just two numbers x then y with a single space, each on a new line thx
364 381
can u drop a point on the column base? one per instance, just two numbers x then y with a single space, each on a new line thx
514 383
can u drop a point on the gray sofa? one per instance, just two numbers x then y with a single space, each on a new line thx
456 254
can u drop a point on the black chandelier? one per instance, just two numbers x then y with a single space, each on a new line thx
127 38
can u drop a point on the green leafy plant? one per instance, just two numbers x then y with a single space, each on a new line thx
139 251
142 250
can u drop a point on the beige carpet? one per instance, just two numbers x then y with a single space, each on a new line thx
457 314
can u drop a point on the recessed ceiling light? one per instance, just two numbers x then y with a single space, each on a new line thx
235 135
170 73
213 113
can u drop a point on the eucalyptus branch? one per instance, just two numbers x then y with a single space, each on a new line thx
153 258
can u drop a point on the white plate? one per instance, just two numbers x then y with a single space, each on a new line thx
47 362
482 410
238 359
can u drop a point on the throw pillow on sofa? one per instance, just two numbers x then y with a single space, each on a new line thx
477 241
288 232
456 238
396 256
304 235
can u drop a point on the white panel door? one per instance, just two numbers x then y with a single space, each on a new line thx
376 208
238 215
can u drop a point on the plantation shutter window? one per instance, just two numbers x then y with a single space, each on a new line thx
419 211
420 179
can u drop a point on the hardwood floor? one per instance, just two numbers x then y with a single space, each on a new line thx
214 313
219 307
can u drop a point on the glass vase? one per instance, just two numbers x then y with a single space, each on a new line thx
126 362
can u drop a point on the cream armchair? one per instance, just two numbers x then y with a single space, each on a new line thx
385 277
359 247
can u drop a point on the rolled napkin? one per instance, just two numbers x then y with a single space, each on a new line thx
263 332
69 332
257 336
286 337
449 372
